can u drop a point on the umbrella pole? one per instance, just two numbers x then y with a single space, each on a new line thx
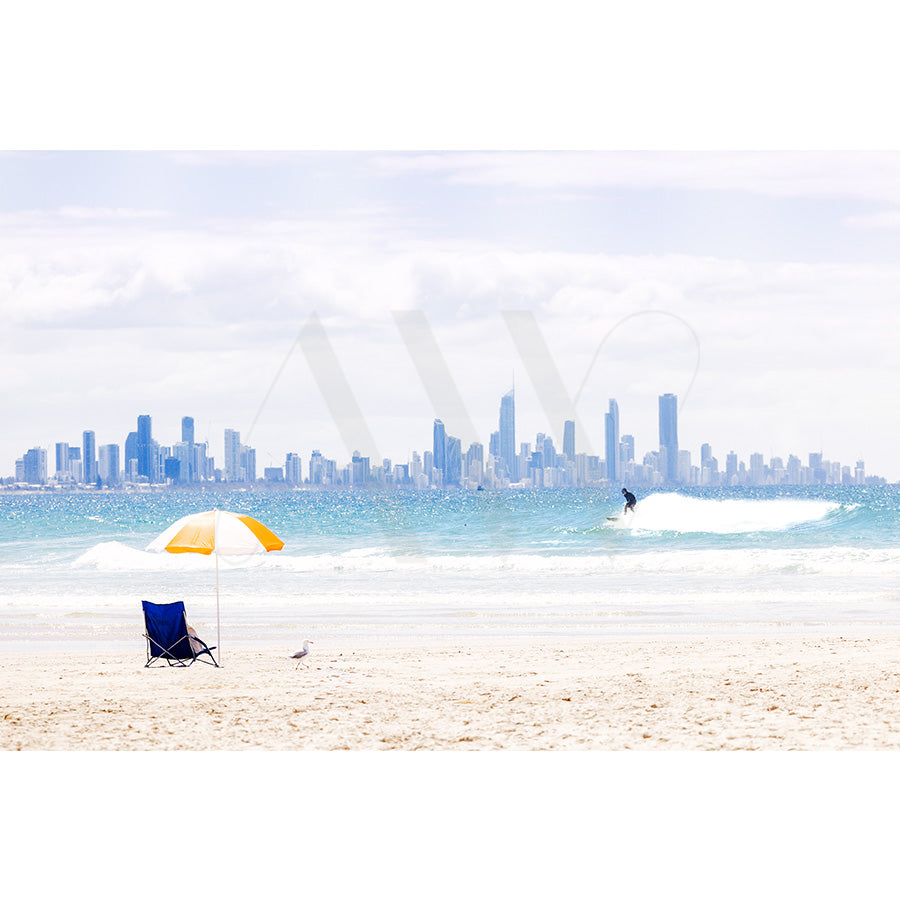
218 629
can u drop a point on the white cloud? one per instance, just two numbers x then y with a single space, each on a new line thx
196 321
873 176
117 214
889 219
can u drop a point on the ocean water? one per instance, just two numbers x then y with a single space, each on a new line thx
457 565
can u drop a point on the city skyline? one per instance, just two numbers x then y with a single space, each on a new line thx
756 287
537 464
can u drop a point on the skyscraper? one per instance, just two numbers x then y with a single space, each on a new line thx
508 434
89 462
548 451
453 462
494 444
35 466
188 470
248 464
731 466
233 456
145 447
612 443
668 435
475 461
62 459
569 439
439 448
108 464
293 469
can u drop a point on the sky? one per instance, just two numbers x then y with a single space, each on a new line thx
756 286
668 212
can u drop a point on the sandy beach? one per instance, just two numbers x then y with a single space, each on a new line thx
776 692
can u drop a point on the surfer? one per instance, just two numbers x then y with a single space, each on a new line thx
630 500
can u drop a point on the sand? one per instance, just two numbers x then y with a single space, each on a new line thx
775 692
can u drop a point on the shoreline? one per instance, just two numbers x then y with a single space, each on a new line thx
120 630
796 691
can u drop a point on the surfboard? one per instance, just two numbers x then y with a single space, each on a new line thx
613 518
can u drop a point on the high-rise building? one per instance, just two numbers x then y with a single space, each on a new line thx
316 468
359 469
293 469
668 435
548 452
508 434
439 449
569 439
202 465
172 469
731 467
248 464
233 456
145 454
453 461
183 453
108 464
684 467
494 445
62 460
75 464
611 421
131 451
188 470
89 464
35 466
475 462
757 469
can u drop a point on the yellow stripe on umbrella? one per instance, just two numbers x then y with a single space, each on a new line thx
217 530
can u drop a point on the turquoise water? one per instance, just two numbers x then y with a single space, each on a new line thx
75 565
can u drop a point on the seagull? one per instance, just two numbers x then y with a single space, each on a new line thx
301 654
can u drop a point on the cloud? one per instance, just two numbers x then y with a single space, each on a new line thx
872 176
106 214
229 158
176 318
888 219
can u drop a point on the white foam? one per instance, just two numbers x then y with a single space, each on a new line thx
115 557
678 513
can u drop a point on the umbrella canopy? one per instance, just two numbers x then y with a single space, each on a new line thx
228 534
217 532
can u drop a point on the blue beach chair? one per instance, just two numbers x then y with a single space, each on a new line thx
168 637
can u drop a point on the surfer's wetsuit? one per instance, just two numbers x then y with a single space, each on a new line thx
630 500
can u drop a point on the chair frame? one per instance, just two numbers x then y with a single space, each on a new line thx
168 654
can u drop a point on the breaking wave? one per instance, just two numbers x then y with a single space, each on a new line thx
678 513
114 557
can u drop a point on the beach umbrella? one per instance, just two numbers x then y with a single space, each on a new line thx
220 533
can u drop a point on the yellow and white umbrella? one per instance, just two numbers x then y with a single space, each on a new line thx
220 533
